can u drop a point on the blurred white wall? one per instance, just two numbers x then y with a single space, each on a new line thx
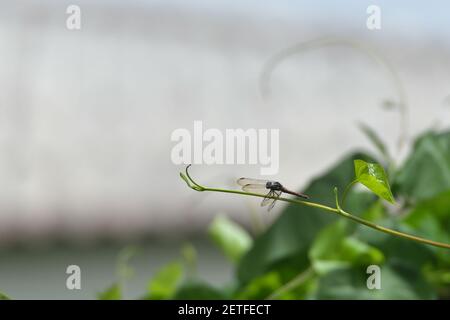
86 116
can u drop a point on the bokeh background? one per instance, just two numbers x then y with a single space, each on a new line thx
86 117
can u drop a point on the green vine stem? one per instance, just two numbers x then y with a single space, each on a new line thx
338 210
347 189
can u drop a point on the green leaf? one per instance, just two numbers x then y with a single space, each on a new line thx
401 269
166 281
426 171
375 139
232 239
4 296
440 278
281 273
198 291
408 259
334 248
327 243
397 250
114 292
431 219
261 287
372 175
376 212
359 252
351 283
290 236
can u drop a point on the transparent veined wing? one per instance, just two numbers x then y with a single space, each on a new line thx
246 181
270 199
276 194
256 188
267 200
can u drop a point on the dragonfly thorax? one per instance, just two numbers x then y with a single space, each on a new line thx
273 185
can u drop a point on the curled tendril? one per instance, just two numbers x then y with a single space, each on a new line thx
189 181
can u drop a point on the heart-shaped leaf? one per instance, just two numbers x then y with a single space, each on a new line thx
373 176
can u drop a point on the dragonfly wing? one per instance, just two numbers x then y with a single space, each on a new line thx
255 188
267 199
276 194
246 181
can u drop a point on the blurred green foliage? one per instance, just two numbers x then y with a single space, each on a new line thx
338 251
114 292
4 296
311 254
231 238
165 283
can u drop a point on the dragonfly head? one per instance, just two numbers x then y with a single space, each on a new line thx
273 185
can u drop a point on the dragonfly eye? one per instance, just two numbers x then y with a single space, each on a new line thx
273 185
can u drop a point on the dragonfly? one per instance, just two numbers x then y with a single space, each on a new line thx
272 190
